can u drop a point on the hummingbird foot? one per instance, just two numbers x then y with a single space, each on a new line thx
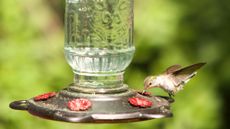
171 94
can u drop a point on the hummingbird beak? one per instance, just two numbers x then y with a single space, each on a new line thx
147 87
143 91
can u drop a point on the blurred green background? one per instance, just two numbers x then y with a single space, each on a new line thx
166 32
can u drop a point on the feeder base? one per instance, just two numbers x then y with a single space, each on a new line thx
105 108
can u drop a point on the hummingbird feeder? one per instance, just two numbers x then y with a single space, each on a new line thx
98 47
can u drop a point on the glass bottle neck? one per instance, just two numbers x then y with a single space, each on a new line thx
91 80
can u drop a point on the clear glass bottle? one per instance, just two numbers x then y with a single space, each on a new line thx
99 41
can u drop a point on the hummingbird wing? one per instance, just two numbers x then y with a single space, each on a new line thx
184 74
172 69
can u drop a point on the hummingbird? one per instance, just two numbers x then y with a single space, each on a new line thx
173 79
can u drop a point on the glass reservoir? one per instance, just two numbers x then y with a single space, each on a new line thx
99 41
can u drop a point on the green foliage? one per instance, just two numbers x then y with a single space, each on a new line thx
166 32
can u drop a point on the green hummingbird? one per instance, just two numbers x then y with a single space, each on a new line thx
173 79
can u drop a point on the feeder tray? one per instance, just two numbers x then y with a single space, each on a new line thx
106 107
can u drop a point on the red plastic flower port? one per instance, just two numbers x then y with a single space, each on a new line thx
140 102
79 104
44 96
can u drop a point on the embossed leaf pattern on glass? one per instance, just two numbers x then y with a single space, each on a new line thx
100 23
